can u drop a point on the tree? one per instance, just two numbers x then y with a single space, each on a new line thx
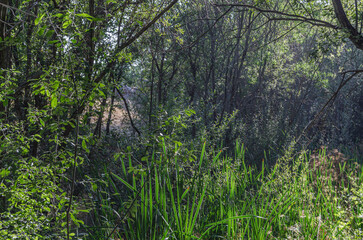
62 54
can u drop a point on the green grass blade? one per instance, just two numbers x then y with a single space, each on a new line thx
124 182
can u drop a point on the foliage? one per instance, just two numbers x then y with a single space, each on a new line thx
124 119
222 196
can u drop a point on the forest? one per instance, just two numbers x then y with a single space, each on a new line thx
181 119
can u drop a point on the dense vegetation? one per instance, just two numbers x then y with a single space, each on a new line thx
181 119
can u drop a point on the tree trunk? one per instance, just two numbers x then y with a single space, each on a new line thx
355 37
98 128
4 50
110 112
4 53
151 92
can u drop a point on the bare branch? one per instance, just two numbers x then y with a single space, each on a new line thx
355 37
300 20
292 17
215 22
17 9
353 71
128 110
329 102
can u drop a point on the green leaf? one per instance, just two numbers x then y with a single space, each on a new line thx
54 101
49 33
184 194
42 30
84 145
5 102
178 143
4 172
89 17
101 93
39 19
124 182
98 19
189 112
80 221
85 15
74 219
67 23
41 122
94 187
56 85
140 22
59 15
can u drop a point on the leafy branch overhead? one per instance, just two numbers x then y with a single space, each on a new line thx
178 119
343 22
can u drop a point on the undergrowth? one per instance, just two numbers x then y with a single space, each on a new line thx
166 196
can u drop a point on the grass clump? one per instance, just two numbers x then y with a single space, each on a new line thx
303 196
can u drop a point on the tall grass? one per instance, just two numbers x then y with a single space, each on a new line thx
220 197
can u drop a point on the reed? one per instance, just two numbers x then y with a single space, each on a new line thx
221 197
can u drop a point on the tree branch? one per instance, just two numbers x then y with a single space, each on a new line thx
302 21
17 9
329 102
292 17
128 110
353 71
215 22
112 63
355 37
